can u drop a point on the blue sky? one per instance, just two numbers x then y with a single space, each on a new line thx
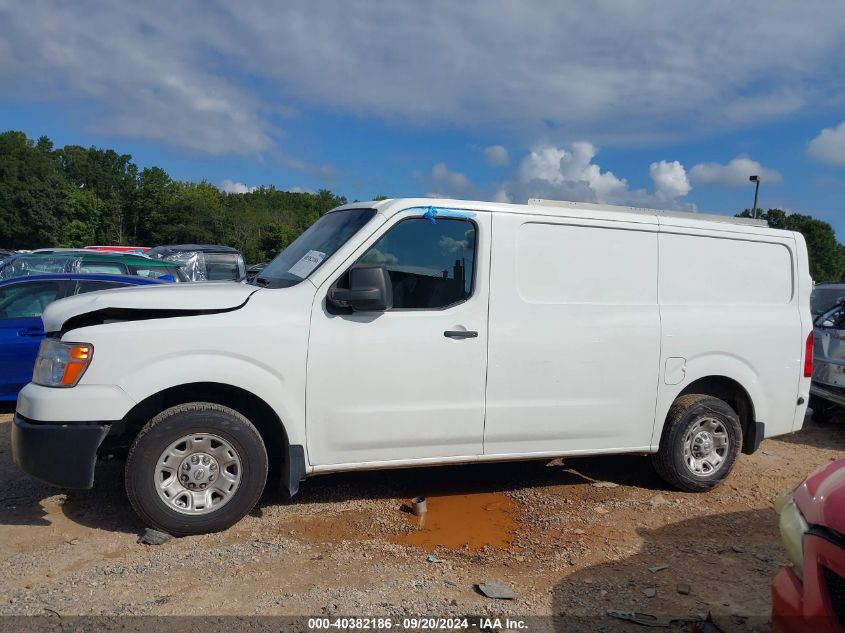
649 103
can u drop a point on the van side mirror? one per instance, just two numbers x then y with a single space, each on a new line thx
370 290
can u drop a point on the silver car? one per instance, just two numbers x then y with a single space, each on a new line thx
827 390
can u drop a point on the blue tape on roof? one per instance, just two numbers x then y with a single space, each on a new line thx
432 213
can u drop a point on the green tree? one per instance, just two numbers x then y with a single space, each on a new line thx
81 216
32 191
112 177
147 214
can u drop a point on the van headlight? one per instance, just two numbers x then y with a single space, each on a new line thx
793 526
61 364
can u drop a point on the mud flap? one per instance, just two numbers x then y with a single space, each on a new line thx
293 470
753 436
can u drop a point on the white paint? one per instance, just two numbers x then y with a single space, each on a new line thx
587 306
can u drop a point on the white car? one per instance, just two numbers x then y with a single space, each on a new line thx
413 332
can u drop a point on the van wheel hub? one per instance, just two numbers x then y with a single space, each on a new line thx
705 445
198 474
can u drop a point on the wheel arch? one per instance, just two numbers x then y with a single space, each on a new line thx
736 396
286 460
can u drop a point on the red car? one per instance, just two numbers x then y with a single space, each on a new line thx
810 595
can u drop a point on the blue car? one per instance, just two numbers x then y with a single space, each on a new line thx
22 301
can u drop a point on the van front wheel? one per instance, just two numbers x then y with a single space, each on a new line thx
196 468
700 442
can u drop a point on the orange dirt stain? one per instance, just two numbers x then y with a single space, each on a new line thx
470 521
342 526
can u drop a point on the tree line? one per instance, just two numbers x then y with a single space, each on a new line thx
77 196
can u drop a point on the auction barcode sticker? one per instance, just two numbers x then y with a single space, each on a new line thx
309 262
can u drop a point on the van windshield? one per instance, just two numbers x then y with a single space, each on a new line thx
307 252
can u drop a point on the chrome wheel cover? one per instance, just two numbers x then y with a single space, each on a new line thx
198 474
706 445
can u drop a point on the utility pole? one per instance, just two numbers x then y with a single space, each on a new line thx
755 179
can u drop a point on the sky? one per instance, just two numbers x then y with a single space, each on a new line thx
645 103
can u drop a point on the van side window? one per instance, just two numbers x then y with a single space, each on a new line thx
431 264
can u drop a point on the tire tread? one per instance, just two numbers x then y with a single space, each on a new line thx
664 460
163 417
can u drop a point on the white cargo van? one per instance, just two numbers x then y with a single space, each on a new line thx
415 332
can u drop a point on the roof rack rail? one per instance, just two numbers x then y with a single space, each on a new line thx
689 215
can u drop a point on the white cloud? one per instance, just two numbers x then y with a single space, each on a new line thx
496 155
443 183
670 179
230 186
733 174
218 77
829 146
569 173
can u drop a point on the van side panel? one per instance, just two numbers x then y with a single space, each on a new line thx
729 307
574 335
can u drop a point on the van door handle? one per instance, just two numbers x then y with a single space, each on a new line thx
460 334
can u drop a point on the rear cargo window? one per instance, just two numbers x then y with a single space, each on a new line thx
699 270
561 263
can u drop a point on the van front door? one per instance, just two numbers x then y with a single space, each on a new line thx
407 383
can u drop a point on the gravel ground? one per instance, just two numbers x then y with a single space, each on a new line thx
573 537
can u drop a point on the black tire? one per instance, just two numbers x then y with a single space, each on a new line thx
181 421
687 411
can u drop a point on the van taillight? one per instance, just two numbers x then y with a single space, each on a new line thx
808 357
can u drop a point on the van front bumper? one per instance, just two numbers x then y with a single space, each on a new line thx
59 454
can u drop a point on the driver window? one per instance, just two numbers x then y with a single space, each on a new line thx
431 264
27 299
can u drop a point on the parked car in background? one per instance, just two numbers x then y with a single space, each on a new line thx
825 296
253 271
81 261
395 333
810 595
119 249
827 390
204 262
22 301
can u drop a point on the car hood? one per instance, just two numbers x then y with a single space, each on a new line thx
821 497
146 302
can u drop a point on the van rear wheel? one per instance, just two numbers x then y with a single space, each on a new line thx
196 468
701 440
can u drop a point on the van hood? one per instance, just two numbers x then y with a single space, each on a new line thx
145 302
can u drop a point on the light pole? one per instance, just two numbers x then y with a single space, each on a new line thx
755 179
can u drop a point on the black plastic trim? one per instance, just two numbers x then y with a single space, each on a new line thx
826 534
753 437
59 454
294 469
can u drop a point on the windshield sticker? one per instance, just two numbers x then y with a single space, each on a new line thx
309 262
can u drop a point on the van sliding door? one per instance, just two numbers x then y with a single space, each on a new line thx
574 335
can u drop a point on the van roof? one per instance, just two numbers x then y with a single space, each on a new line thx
561 208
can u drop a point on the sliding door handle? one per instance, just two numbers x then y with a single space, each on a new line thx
460 334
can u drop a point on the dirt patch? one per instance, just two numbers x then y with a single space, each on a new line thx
464 522
344 545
